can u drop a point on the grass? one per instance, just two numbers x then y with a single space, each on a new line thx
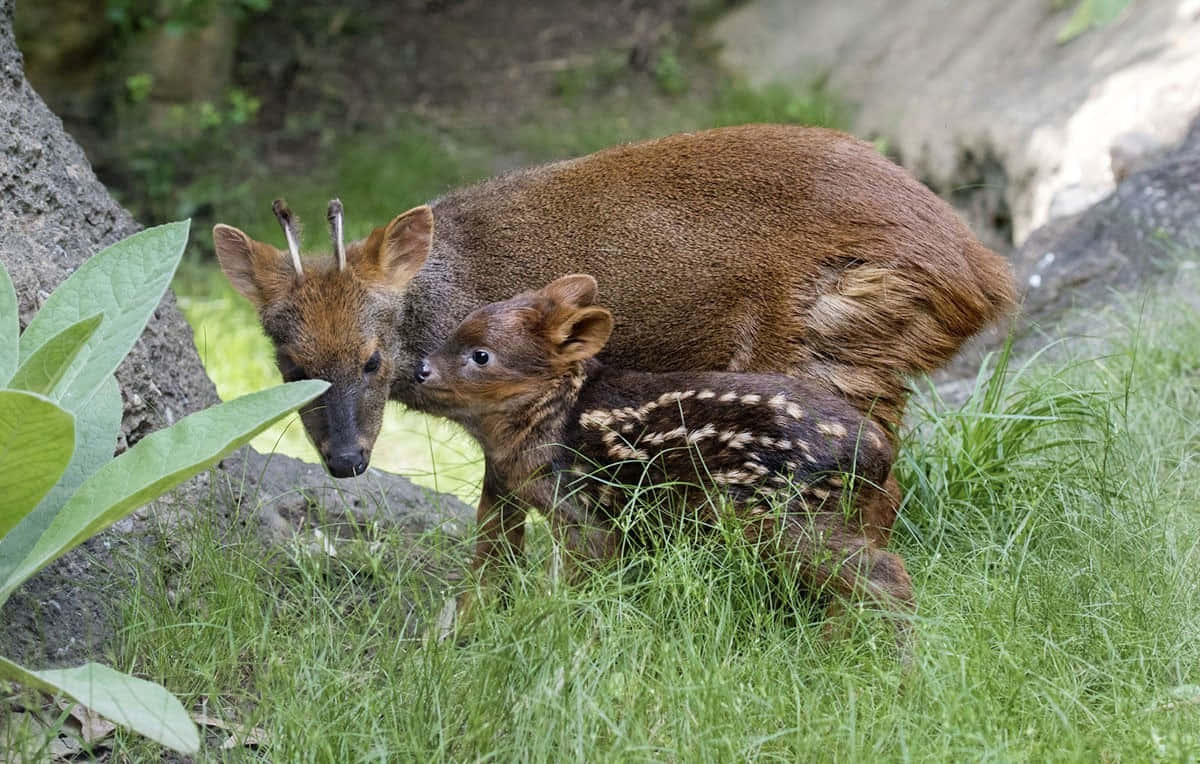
1050 528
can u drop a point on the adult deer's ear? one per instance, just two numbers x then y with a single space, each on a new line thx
580 334
259 272
392 255
577 290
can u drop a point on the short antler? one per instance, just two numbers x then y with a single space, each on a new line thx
335 232
290 231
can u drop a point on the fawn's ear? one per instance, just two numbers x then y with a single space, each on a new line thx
581 333
258 271
391 256
577 290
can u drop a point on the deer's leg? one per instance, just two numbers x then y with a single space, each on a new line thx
501 533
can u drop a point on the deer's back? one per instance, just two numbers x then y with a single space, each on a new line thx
760 248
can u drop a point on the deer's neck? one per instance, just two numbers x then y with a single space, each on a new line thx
525 442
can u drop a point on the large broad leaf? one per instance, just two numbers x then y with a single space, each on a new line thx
124 282
41 372
144 707
156 464
9 328
36 441
96 426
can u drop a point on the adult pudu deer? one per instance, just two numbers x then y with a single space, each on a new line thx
562 433
761 248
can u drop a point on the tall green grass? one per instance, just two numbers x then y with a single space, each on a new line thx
1051 530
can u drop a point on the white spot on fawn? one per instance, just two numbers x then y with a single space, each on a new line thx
728 398
777 400
656 439
732 477
794 411
622 450
740 439
704 395
707 431
596 419
751 399
667 398
833 429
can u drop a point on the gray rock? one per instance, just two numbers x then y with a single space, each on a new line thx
1140 230
979 99
289 497
54 214
1147 228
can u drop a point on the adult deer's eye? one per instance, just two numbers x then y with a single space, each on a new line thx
372 364
481 357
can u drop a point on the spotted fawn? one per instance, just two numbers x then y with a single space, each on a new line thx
570 436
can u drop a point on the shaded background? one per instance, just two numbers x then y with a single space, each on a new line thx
210 109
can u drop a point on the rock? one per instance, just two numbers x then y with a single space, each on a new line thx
289 496
1136 233
1148 227
980 100
54 214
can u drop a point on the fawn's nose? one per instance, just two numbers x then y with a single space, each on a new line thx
348 463
424 371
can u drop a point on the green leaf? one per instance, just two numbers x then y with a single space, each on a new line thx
43 370
10 328
144 707
125 282
96 426
1089 14
36 441
159 462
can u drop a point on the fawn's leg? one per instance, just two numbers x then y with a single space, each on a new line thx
500 541
877 509
584 541
828 555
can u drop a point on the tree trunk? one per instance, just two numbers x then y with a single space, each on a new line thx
55 214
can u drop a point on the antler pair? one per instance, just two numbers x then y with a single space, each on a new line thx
291 231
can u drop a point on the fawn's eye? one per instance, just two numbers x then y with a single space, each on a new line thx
481 357
372 364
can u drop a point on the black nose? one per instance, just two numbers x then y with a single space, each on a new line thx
348 463
424 371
